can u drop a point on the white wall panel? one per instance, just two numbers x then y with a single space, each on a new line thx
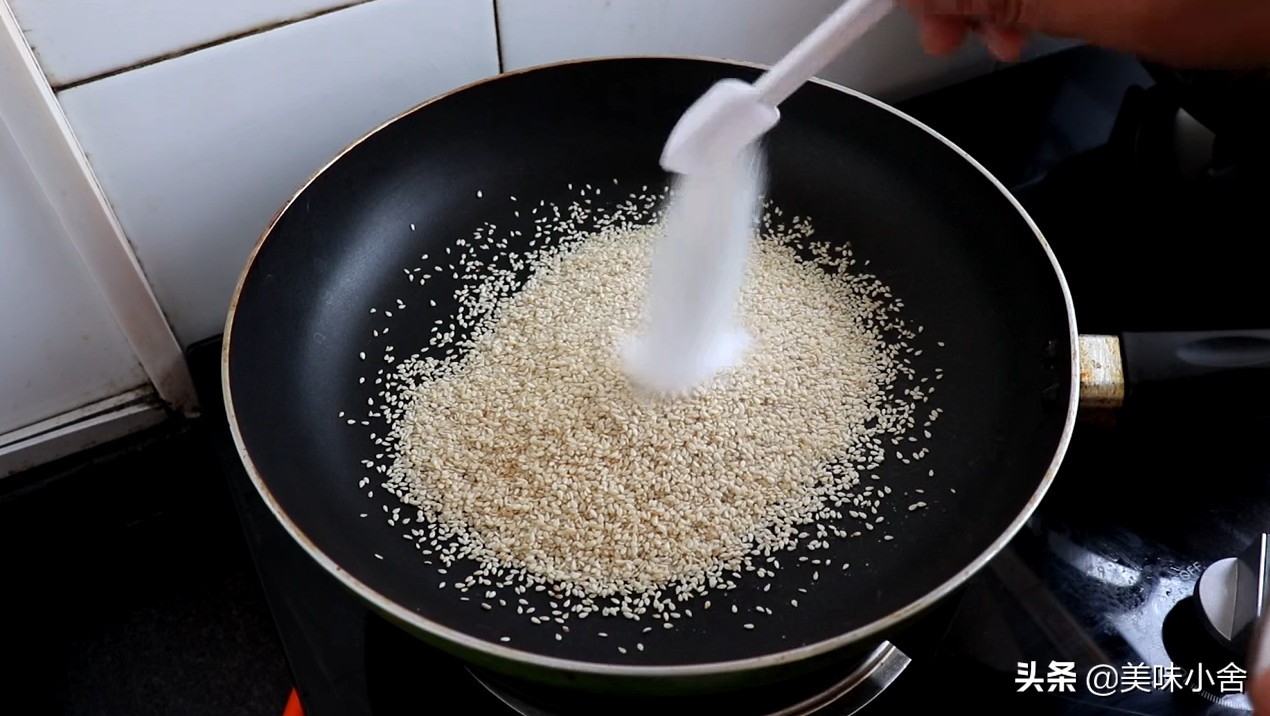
60 347
75 39
197 153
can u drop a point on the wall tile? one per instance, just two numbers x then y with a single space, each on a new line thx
196 154
75 39
60 347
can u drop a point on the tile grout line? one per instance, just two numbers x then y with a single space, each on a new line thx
498 38
258 30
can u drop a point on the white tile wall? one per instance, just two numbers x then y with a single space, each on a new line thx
887 63
75 39
61 346
196 154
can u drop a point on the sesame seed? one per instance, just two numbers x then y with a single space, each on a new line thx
519 464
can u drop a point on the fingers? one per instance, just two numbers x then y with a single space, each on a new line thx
945 24
944 34
1005 13
1004 43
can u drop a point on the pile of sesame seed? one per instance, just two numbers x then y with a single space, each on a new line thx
530 462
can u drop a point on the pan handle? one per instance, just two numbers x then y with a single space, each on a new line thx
1227 371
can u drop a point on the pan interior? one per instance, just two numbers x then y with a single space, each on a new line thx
933 227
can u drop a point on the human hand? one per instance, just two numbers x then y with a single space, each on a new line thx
1227 34
1259 694
1258 680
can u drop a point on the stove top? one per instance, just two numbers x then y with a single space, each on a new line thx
1091 609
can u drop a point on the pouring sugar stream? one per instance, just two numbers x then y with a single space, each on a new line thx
717 162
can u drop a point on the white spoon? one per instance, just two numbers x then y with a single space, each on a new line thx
733 114
699 265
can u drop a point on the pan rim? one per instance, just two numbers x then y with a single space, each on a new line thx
406 616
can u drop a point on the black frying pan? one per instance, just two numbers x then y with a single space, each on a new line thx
934 225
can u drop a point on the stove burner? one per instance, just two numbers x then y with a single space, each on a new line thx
828 694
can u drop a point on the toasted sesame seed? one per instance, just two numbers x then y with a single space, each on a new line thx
451 417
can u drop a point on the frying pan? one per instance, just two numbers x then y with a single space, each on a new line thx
934 225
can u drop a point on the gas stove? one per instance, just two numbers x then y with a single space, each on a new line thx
1093 608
